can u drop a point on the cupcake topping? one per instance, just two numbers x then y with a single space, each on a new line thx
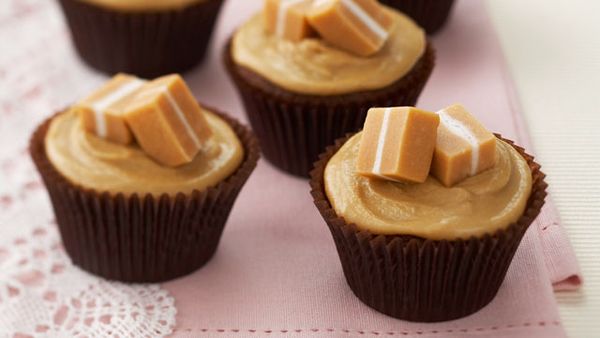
475 206
464 147
167 121
102 111
358 26
175 145
287 18
316 67
97 164
397 144
477 184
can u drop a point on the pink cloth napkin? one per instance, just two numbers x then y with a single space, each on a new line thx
276 271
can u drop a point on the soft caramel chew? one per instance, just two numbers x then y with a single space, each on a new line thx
464 147
287 18
397 144
168 123
358 26
101 113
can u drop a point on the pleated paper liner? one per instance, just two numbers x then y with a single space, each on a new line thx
142 238
295 128
429 14
423 280
148 44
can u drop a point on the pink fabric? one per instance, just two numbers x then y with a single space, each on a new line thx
276 270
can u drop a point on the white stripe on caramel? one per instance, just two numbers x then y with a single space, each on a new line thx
101 105
181 116
381 141
365 18
460 130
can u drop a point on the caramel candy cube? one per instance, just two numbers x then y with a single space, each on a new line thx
168 123
287 18
101 113
358 26
464 147
397 144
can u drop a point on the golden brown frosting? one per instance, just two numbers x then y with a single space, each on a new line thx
142 5
312 66
94 163
478 205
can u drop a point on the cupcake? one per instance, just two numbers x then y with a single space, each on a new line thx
143 37
142 178
429 14
426 229
308 73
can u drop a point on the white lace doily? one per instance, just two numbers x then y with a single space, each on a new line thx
42 294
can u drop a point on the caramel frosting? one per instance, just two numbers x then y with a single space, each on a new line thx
479 205
94 163
314 67
142 5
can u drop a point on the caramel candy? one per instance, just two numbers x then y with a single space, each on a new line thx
397 144
168 123
287 18
101 113
464 147
358 26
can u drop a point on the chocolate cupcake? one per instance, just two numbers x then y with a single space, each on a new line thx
429 14
302 94
143 37
425 251
127 211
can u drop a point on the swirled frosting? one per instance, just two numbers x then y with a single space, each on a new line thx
94 163
478 205
142 5
312 66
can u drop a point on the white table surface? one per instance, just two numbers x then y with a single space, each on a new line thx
553 52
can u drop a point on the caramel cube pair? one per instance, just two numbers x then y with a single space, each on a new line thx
407 144
162 115
358 26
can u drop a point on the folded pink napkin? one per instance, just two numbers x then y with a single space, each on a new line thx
276 271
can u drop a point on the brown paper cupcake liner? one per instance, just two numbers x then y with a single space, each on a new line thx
424 280
295 128
148 44
142 238
429 14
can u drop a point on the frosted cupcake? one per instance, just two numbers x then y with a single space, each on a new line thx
142 178
427 228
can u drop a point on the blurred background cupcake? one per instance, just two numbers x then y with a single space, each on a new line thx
308 72
429 14
147 38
